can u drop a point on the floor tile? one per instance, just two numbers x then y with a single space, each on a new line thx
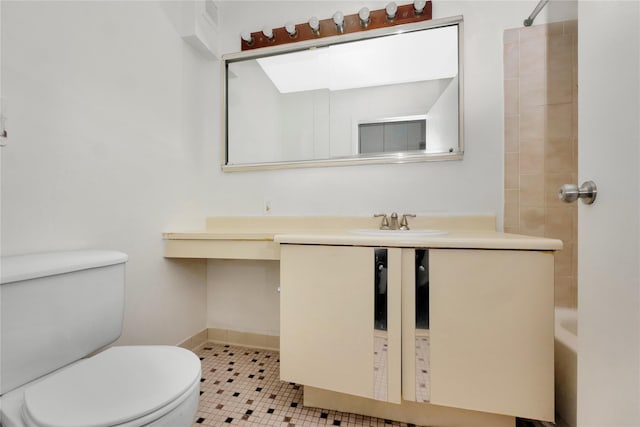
241 387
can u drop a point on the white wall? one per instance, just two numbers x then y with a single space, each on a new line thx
361 190
473 185
108 110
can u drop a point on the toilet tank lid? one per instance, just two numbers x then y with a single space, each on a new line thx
31 266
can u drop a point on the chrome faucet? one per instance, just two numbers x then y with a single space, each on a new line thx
394 221
404 224
393 224
384 225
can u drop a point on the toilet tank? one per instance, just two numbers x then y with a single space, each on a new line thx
56 308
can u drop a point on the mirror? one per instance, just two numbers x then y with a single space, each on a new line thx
391 95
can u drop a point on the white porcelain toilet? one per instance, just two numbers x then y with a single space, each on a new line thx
57 308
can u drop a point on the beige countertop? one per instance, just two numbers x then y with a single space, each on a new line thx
460 240
260 237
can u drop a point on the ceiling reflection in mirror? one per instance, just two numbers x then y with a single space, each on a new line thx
390 98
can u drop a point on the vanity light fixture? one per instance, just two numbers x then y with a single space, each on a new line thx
338 19
364 17
268 33
392 9
291 29
314 23
247 37
339 24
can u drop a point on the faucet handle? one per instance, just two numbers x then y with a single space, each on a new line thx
385 221
404 224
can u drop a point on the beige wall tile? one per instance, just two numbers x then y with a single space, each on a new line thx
543 121
532 124
559 53
552 183
574 66
511 36
559 121
558 224
560 87
533 57
531 157
560 69
564 294
574 259
532 190
574 119
558 156
533 90
511 60
563 260
511 97
570 27
511 134
511 171
574 291
541 31
511 209
555 28
532 221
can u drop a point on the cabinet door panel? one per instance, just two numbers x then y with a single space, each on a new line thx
327 317
491 319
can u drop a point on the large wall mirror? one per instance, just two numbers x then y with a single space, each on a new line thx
390 95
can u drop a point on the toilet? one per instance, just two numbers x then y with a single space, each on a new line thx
58 308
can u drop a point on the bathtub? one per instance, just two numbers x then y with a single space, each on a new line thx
566 361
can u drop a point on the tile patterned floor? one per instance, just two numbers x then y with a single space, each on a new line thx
241 386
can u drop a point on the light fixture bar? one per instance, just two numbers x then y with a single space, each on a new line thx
341 24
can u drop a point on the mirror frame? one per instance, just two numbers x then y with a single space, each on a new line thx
381 158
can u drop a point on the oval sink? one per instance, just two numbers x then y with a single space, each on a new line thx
398 233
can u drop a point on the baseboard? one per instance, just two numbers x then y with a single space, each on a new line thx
195 341
245 339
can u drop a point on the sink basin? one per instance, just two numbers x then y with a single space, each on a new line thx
398 233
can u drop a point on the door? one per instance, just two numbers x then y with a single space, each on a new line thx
608 278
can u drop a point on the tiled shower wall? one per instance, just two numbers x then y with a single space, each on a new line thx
541 141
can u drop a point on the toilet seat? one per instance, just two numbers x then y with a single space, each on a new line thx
122 386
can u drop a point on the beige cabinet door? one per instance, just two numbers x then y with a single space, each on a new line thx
491 329
327 319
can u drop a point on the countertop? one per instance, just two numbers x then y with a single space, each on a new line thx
261 237
460 240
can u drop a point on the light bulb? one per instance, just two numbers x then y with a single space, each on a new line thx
315 25
338 19
291 29
247 37
391 9
268 32
418 6
364 16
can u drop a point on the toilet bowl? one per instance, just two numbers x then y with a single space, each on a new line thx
48 383
122 386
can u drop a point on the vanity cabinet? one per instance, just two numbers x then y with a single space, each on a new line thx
491 331
327 335
490 323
